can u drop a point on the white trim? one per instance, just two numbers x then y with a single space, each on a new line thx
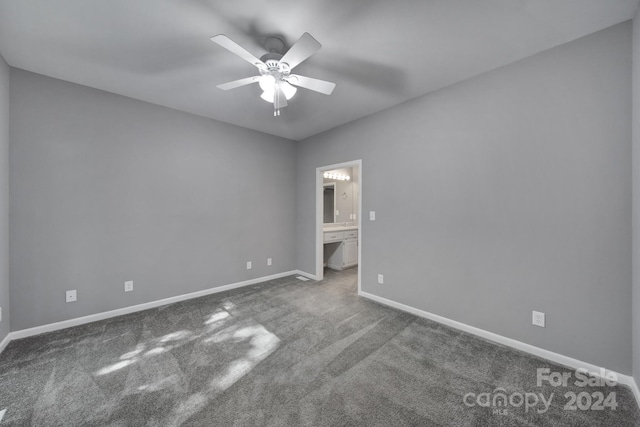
140 307
5 342
519 345
305 274
360 216
634 388
320 217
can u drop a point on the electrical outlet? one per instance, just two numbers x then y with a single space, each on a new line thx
72 296
248 265
380 279
538 319
128 286
372 215
269 262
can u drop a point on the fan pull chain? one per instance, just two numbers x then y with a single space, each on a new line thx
276 102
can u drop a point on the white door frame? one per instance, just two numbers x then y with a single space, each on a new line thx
320 217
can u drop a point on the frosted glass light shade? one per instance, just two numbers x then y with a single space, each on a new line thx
269 91
288 90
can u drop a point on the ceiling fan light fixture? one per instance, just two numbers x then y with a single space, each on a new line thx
269 91
268 95
266 82
288 90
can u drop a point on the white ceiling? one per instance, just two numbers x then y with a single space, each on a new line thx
378 52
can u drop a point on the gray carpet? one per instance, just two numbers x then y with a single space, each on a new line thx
281 353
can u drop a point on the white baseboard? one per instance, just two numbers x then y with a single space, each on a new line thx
636 392
309 275
519 345
5 342
140 307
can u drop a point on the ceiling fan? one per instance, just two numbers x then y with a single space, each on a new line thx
275 79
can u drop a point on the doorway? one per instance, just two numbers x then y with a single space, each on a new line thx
339 227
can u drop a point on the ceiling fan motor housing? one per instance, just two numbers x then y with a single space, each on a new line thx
274 44
277 69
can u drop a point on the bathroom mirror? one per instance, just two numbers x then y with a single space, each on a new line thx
345 195
329 203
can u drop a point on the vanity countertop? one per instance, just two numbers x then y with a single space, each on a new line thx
340 228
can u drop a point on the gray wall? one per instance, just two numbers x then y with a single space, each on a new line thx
514 196
636 197
4 197
105 189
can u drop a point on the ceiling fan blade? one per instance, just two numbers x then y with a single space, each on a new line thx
316 85
234 47
237 83
301 50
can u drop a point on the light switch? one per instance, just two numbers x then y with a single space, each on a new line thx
372 215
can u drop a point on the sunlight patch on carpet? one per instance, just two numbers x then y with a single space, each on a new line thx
115 367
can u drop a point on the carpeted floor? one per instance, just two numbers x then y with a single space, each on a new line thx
286 353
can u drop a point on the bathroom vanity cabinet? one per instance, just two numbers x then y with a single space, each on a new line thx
341 248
